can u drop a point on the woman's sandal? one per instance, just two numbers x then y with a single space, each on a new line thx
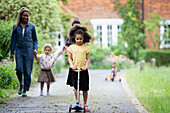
87 108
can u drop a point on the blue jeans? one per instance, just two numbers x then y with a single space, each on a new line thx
24 64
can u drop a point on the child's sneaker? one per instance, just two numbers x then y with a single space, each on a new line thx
41 94
48 93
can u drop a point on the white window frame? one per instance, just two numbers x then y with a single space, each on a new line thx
61 41
99 34
109 35
163 45
104 23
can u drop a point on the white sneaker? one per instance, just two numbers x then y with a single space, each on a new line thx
48 93
41 94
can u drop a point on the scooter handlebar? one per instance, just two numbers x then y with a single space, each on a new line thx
79 68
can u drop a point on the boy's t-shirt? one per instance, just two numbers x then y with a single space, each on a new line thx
79 54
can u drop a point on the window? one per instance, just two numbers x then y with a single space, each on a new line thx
99 34
119 28
59 41
165 35
166 32
106 31
109 35
58 36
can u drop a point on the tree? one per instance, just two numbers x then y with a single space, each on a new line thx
152 27
132 29
5 38
45 14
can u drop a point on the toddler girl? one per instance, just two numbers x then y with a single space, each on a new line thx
46 62
79 57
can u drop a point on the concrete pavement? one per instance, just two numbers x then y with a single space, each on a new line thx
104 96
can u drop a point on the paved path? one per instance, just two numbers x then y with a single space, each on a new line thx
104 97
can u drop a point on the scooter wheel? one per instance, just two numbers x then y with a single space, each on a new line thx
70 108
112 79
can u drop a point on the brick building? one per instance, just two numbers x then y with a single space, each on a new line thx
163 10
107 23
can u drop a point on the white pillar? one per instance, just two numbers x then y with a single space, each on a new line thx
95 33
114 35
104 36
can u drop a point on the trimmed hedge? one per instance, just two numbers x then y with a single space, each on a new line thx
162 56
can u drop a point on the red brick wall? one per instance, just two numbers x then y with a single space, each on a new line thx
93 9
163 9
161 6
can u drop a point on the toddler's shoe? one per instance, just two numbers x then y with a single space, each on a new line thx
41 94
48 93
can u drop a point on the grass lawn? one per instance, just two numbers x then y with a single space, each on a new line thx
151 87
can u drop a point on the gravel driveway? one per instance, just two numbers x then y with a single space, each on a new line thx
104 97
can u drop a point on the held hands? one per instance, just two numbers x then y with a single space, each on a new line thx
84 68
35 52
64 47
12 57
73 67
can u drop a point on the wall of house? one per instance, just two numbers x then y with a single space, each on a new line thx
104 9
161 6
163 10
93 9
103 17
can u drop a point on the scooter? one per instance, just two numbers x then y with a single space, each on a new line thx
77 107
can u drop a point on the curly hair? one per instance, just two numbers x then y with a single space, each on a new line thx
75 22
79 29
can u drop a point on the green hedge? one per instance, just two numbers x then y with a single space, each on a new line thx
162 56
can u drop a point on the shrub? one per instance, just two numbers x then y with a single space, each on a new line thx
101 66
117 50
97 54
57 67
8 78
161 56
5 37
